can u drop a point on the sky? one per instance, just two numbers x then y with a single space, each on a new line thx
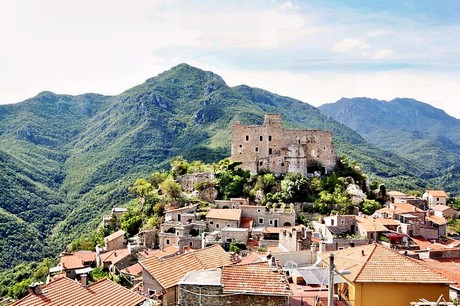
314 51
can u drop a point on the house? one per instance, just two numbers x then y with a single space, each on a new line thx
161 276
115 241
64 291
297 238
379 276
438 222
133 273
232 203
72 264
256 284
221 218
263 217
369 228
445 211
435 197
116 214
168 251
181 228
119 259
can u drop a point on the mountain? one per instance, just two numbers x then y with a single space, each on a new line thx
66 160
417 131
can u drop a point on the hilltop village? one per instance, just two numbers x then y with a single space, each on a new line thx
268 248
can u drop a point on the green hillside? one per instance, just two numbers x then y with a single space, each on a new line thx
66 160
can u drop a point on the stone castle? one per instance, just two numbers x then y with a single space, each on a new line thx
271 147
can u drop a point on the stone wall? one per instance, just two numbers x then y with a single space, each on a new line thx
233 203
271 147
189 295
188 181
264 217
219 224
295 239
230 234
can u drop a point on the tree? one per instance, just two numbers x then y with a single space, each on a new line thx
132 225
179 166
337 201
370 206
171 188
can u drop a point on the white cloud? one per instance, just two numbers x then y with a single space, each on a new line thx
350 44
286 5
382 53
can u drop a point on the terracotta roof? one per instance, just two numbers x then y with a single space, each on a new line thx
255 278
437 193
374 263
441 207
449 267
114 256
224 214
251 258
169 271
370 225
86 256
406 207
114 235
71 262
389 211
437 220
64 291
425 244
159 253
386 222
134 270
394 193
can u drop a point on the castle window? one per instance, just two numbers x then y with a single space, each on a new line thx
270 151
269 138
261 138
257 149
247 137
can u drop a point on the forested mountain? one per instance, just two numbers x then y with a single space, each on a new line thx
414 130
65 160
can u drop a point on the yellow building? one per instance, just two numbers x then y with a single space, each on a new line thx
379 276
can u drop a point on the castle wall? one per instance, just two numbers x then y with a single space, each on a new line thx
271 147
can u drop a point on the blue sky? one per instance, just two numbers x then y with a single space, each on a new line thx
316 51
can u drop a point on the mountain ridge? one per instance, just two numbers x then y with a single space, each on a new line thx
71 158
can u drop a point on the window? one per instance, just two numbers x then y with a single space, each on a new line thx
190 243
270 151
270 222
332 221
261 163
241 146
261 138
257 149
247 137
167 241
177 233
152 292
211 222
217 225
282 164
269 138
261 220
228 225
258 210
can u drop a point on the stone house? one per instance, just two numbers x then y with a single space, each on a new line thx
232 203
115 241
221 218
181 228
188 181
256 284
445 211
271 147
160 277
435 197
268 217
234 234
297 238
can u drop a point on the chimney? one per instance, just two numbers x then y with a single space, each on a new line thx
35 288
84 280
362 253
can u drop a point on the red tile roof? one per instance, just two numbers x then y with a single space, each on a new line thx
159 253
134 270
437 193
437 220
370 224
449 267
382 265
64 291
224 214
114 235
406 207
255 278
71 262
114 256
441 207
252 257
169 271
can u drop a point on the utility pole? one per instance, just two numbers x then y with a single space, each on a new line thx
330 289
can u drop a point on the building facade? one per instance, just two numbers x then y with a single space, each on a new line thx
271 147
